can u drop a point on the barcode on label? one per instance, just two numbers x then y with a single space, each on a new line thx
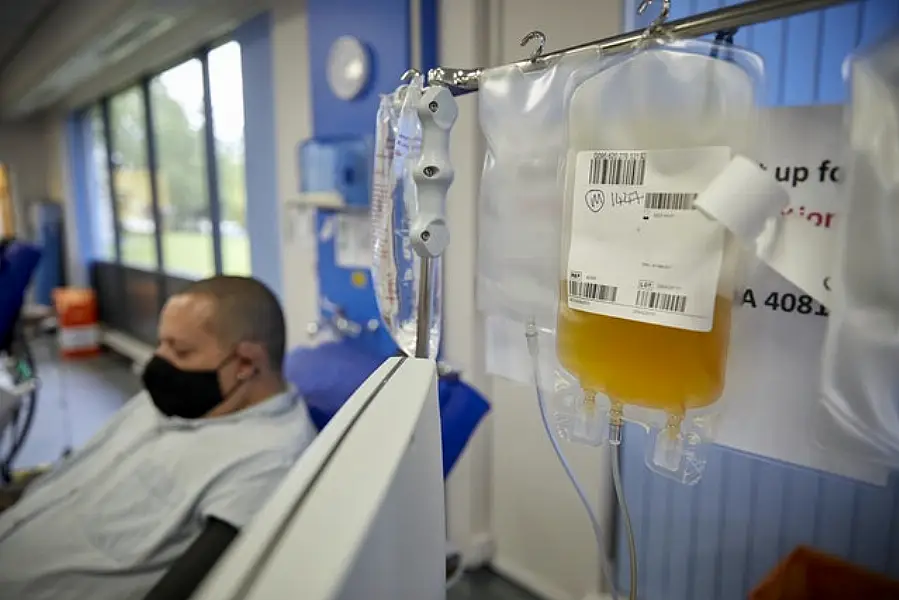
592 291
618 169
661 301
668 201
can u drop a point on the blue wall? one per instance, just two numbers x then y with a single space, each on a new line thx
718 539
384 28
263 216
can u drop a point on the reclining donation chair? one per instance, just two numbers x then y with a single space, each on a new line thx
18 263
327 376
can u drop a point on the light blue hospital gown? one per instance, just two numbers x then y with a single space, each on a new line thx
108 523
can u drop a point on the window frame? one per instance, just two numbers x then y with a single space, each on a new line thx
211 179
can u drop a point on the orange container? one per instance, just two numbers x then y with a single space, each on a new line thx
807 574
77 321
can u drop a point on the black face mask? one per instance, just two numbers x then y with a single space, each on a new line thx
185 394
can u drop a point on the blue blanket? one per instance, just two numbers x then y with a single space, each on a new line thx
329 374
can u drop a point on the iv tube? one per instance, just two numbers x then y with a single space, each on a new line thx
605 567
626 516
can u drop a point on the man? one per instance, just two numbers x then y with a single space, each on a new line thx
149 504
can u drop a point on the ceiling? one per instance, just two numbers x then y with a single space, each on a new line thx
58 55
18 20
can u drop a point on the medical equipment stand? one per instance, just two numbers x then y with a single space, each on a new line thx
438 111
433 174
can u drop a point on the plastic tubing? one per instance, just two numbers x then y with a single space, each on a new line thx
605 566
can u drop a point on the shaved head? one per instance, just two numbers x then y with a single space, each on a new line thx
244 310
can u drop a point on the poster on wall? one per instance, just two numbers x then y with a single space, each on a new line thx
773 379
352 241
774 368
804 154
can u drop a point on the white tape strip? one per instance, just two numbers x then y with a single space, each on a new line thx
749 202
744 198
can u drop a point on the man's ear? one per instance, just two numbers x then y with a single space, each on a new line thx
251 359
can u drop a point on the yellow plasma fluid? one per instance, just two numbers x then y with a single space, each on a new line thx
645 365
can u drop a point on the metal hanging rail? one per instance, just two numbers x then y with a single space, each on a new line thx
464 81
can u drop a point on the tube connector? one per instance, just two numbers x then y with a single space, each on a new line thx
668 451
616 422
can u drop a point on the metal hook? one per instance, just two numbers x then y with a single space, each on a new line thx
660 20
409 74
541 43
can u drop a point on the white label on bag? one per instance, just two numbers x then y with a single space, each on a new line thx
639 251
407 145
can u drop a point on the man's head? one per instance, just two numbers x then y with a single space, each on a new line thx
229 329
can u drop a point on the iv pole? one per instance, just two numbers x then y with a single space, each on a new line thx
429 234
753 12
433 173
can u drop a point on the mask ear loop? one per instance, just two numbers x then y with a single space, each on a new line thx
240 380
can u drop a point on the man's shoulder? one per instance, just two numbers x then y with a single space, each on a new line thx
285 426
258 443
258 458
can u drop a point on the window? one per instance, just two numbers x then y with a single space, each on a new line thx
179 123
98 184
131 179
226 94
167 160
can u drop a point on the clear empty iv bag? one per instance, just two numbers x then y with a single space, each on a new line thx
522 118
396 267
384 268
861 352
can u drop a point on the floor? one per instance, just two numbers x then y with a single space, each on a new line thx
77 397
484 585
